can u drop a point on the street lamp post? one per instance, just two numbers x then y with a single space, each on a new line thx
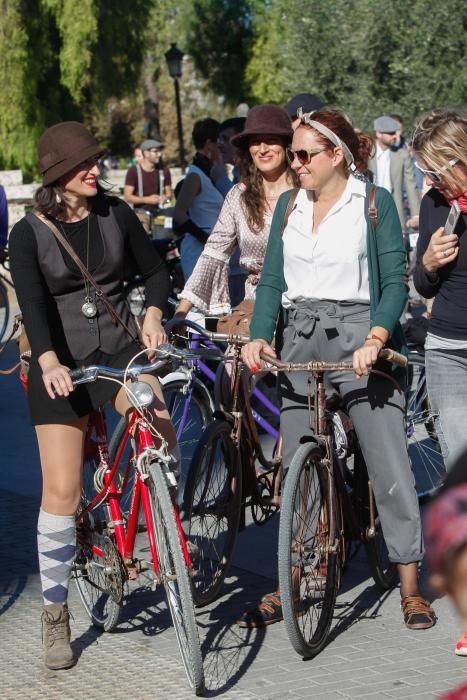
174 59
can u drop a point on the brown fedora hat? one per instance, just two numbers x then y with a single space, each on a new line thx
64 146
265 120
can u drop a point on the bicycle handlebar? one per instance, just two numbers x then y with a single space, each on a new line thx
164 354
220 337
318 366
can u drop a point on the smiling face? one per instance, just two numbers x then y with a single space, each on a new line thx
321 167
82 180
267 153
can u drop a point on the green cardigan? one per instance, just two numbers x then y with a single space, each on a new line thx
386 267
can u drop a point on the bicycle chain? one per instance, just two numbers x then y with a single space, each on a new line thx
114 569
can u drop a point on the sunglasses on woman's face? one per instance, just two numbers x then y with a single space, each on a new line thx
303 155
437 175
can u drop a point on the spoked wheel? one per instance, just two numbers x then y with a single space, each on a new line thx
98 570
262 506
212 506
173 572
4 310
308 552
190 407
423 444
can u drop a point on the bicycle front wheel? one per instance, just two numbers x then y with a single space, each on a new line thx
423 444
97 570
212 505
190 407
308 552
174 575
4 310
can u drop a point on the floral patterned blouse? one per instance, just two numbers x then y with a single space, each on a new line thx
208 286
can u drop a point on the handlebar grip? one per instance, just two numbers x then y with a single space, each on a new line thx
393 356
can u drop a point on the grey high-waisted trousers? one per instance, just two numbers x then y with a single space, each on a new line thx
323 330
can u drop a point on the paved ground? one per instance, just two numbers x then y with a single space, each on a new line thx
371 655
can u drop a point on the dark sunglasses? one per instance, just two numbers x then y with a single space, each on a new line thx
303 155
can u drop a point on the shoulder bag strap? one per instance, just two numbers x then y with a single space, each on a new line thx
86 274
288 211
372 210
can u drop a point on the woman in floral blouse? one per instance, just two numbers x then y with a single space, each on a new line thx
246 215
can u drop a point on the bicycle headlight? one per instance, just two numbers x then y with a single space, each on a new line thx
142 394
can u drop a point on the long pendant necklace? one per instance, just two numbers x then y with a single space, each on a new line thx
89 307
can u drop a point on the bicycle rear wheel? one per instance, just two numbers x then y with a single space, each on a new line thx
423 444
4 310
97 570
212 506
308 552
174 575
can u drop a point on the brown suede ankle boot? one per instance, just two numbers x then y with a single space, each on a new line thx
56 637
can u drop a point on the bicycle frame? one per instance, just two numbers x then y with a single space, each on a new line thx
195 342
110 495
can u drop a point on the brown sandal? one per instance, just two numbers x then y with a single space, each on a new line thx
418 613
268 612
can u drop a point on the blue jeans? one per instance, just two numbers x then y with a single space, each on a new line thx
446 378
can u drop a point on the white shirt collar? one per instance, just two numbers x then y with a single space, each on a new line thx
354 187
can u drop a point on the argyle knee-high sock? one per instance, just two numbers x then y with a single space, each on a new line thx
56 542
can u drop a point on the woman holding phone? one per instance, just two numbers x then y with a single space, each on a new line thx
440 145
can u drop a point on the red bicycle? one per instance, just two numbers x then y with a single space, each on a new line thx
136 473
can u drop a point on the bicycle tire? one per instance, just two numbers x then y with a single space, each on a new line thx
200 409
212 506
174 574
422 442
4 310
89 572
314 559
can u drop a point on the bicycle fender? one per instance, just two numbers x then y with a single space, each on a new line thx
173 376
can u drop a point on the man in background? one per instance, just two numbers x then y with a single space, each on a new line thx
148 184
392 167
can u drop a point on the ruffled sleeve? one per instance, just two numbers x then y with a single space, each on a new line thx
208 286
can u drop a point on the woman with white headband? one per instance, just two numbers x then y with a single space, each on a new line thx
339 284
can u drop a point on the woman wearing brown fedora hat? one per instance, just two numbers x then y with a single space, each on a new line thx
245 219
68 326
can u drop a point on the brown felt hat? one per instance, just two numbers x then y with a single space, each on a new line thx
64 146
265 120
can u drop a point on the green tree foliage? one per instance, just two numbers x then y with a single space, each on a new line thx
367 57
63 60
219 34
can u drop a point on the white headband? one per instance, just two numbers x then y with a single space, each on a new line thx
305 117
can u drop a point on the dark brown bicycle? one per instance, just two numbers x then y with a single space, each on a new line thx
229 473
327 502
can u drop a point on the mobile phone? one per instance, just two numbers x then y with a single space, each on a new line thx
452 219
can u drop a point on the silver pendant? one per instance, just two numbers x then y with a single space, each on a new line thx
89 309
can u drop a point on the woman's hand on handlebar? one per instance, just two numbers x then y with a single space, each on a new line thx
251 353
56 377
365 357
441 250
153 332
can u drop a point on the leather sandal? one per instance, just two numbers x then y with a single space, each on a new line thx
268 612
418 613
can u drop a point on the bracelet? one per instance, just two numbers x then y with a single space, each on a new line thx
373 336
